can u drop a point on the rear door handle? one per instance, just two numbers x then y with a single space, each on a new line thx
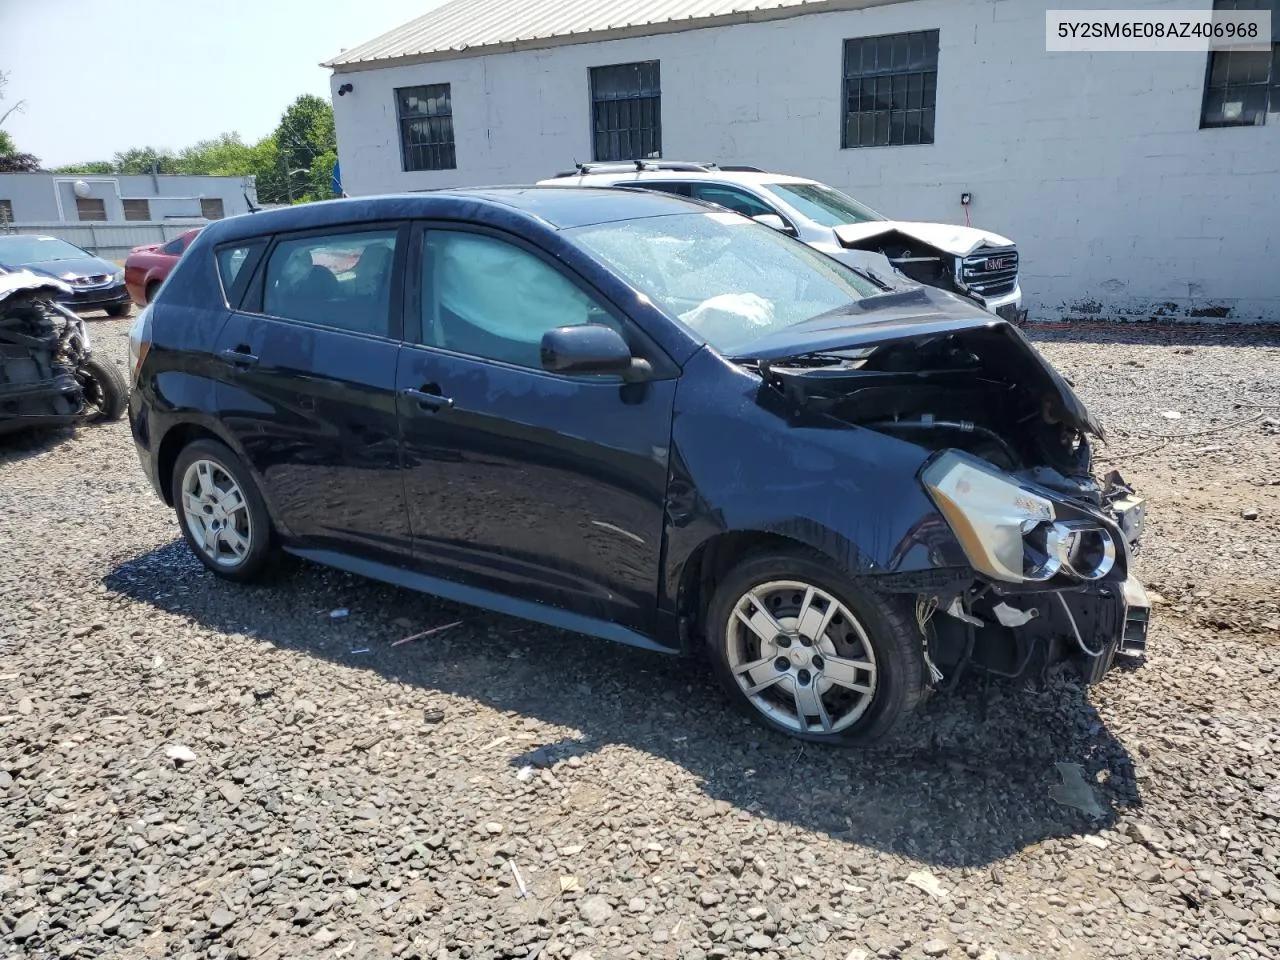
429 397
240 356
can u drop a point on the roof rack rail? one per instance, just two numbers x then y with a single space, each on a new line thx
740 168
637 166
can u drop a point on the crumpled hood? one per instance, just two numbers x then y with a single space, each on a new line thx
21 280
959 241
926 312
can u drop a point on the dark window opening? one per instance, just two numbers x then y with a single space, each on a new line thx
6 211
211 208
626 111
1242 86
890 89
426 127
137 209
91 208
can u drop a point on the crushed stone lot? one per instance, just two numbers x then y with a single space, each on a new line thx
190 768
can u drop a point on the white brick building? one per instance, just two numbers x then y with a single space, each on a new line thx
1106 168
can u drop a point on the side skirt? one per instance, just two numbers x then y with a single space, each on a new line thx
477 597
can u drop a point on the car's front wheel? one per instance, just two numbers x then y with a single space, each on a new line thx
220 511
119 309
810 653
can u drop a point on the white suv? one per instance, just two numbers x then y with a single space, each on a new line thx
977 264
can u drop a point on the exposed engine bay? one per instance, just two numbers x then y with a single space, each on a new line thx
914 258
1043 576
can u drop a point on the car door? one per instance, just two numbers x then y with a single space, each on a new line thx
539 486
308 389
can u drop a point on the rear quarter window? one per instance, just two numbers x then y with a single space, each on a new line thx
231 263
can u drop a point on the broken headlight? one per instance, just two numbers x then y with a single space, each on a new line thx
1011 533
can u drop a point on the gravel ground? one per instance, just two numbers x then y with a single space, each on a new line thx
194 769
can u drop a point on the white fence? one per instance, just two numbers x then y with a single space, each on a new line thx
111 241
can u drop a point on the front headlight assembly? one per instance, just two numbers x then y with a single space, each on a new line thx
1011 533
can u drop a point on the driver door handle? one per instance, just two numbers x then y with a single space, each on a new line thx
239 356
429 397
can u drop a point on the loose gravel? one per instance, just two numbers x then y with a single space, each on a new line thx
194 769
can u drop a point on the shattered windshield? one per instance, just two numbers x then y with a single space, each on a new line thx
824 205
17 250
729 279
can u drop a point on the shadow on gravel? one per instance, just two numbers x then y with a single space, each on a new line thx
967 784
32 441
1141 333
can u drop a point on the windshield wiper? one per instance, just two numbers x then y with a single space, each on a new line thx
874 278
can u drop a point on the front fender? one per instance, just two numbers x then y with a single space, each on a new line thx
747 466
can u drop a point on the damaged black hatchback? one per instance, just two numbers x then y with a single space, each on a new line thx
640 418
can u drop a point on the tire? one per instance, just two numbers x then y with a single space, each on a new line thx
119 309
152 289
105 393
851 655
249 521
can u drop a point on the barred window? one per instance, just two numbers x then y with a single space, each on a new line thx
890 89
426 127
6 211
136 209
91 208
1242 86
626 111
211 208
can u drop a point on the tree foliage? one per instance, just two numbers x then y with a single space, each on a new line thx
11 161
19 163
293 164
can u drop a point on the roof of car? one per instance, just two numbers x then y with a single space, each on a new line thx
746 177
556 206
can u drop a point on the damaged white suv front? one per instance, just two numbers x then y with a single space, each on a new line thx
976 264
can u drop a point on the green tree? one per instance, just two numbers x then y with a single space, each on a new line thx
307 147
145 160
11 161
19 163
93 166
224 156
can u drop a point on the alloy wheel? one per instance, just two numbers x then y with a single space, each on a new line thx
801 657
216 513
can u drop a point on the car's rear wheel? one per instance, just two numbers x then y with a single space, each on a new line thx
152 289
220 511
810 653
119 309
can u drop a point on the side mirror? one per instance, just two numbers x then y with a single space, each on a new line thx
589 348
776 222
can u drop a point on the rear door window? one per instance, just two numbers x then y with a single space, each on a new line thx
679 189
739 201
341 280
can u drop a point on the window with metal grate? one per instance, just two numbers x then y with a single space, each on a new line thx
890 89
425 115
626 111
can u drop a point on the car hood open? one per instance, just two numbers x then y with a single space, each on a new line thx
925 313
960 241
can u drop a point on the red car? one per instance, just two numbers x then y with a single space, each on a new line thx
148 265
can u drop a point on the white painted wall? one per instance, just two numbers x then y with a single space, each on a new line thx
1093 163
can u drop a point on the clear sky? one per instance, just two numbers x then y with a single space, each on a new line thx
100 76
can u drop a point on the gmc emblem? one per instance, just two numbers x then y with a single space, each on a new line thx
999 263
